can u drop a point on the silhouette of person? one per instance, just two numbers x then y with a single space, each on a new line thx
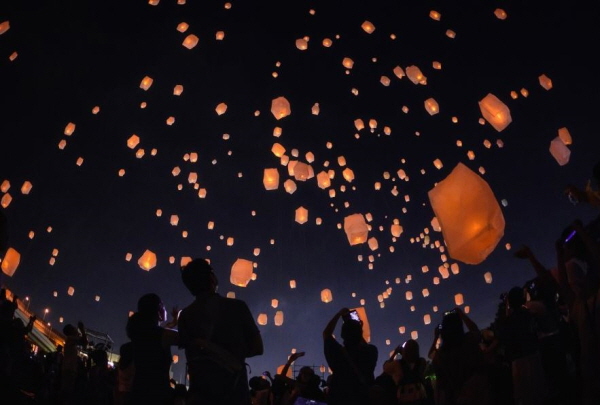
218 334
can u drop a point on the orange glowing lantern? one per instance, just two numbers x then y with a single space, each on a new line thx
241 272
458 299
301 215
323 180
302 44
4 26
469 215
565 136
221 108
326 295
71 291
146 83
545 82
26 187
69 129
271 179
190 41
348 63
133 141
415 75
368 27
11 261
278 318
560 151
356 228
262 319
495 112
147 261
280 108
432 106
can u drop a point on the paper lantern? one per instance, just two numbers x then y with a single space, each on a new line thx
147 261
5 186
372 242
262 319
434 15
545 82
241 272
368 27
26 187
69 129
454 268
278 318
302 44
326 295
4 26
11 261
560 151
301 215
327 42
409 295
323 180
426 319
221 108
190 41
565 136
6 200
385 81
415 75
469 215
495 112
348 63
292 284
290 186
488 277
280 108
348 174
396 230
399 72
432 106
500 14
133 141
71 291
182 27
146 83
220 35
278 149
356 229
458 299
271 179
425 292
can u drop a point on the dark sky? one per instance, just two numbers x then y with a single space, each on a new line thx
75 55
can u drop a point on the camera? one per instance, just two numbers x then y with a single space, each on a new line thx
352 316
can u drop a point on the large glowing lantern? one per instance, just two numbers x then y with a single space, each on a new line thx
241 272
560 151
415 75
147 261
323 180
469 215
11 261
280 108
432 106
301 215
190 41
495 112
356 229
271 179
326 295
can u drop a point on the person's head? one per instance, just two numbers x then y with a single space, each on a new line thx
515 298
351 332
70 330
99 357
306 374
198 276
410 350
150 306
452 331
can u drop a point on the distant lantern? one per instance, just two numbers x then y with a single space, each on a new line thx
190 41
278 318
348 174
5 186
545 82
458 299
170 120
26 187
6 200
146 83
97 298
323 180
469 215
128 257
488 277
435 225
426 319
280 108
373 244
133 141
302 44
434 15
182 27
425 292
71 291
301 215
327 42
495 112
11 261
292 284
69 129
396 230
177 90
399 72
13 56
384 80
432 106
500 14
326 295
368 27
271 179
356 229
415 75
4 26
278 149
454 268
565 136
560 151
450 34
174 220
348 63
220 35
359 125
290 186
221 108
262 319
241 272
316 109
147 261
408 295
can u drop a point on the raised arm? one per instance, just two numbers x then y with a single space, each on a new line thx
330 328
471 326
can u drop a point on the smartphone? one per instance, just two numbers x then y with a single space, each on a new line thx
353 314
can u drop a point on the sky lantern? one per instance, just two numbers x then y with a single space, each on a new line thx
426 319
174 220
432 106
396 230
434 15
26 187
488 277
11 261
133 141
399 72
348 174
177 90
315 109
5 186
220 35
385 81
221 108
545 82
278 318
500 14
326 295
290 186
409 295
469 215
271 179
495 112
278 149
262 319
435 225
323 180
415 75
565 136
368 27
356 229
71 291
372 242
182 27
302 44
69 129
280 108
292 284
327 42
560 151
301 215
301 171
458 299
6 200
4 26
274 303
146 83
359 125
348 63
190 41
241 272
147 261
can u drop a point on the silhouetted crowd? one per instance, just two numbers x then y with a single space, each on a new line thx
543 347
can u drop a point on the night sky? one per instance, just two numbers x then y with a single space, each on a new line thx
75 55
